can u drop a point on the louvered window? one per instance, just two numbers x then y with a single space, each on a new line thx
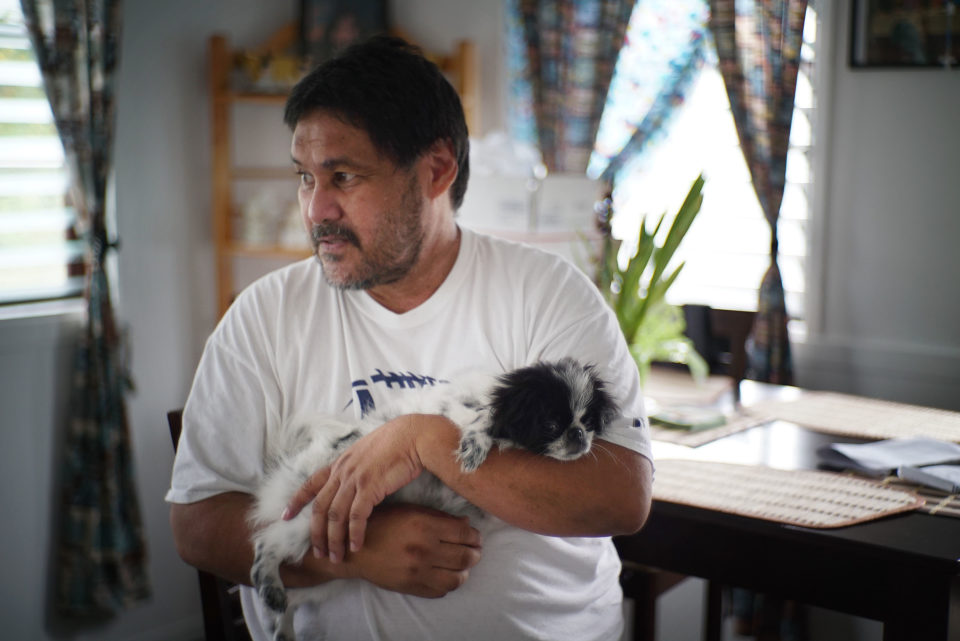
39 258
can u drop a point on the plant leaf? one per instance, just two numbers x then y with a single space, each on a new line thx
678 229
629 307
653 329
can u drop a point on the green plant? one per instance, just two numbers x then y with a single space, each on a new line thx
653 328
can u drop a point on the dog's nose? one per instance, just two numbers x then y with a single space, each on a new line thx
577 438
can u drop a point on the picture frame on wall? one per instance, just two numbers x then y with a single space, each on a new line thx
329 26
905 33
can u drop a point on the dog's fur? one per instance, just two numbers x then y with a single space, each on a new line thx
554 409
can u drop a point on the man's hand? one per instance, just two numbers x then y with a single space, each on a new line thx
345 493
411 549
417 550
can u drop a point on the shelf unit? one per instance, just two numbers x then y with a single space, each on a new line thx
461 67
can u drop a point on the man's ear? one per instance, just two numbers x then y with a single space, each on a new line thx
440 167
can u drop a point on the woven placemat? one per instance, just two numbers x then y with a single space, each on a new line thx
936 502
801 497
735 423
868 418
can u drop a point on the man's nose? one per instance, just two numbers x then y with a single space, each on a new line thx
322 207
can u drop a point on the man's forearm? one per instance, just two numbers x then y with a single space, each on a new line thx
606 492
214 535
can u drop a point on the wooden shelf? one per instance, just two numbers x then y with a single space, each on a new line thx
461 67
241 250
258 98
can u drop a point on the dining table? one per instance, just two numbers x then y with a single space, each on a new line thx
899 565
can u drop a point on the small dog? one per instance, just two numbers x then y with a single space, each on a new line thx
554 409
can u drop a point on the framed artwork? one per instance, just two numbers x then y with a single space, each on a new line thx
905 33
328 26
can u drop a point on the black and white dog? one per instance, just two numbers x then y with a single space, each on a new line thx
550 408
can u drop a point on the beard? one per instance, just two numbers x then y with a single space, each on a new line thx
387 257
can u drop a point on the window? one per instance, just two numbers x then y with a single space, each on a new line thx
727 248
38 259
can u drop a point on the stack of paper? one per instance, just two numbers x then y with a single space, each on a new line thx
921 460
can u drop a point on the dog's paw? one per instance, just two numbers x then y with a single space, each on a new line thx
257 571
474 448
273 596
264 574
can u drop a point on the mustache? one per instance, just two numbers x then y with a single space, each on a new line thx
336 231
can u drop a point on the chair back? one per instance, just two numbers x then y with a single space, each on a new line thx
720 336
175 423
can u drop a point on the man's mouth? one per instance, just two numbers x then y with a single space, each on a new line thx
332 242
333 239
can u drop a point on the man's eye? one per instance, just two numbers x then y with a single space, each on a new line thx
305 178
343 177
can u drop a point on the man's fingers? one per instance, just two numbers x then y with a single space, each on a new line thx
359 515
318 519
460 531
337 522
460 545
456 558
306 493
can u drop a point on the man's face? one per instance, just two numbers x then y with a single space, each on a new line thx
363 214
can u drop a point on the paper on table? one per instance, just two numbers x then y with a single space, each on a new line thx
884 457
941 477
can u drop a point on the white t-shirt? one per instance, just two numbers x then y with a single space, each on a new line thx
291 344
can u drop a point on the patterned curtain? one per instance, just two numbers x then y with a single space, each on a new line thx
560 58
664 48
758 45
101 564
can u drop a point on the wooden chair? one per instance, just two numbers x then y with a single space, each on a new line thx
719 335
220 599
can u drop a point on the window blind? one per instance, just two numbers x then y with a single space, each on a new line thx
40 258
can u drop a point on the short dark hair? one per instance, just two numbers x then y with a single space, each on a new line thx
387 87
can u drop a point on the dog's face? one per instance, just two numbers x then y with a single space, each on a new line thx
553 409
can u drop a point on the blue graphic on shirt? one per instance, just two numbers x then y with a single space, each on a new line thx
363 390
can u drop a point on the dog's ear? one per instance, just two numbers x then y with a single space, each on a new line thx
601 408
526 402
513 398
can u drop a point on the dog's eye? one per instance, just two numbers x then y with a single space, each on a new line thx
551 427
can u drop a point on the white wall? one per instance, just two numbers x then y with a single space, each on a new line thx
35 356
885 266
437 25
884 325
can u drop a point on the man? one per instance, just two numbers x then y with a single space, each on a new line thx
402 298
